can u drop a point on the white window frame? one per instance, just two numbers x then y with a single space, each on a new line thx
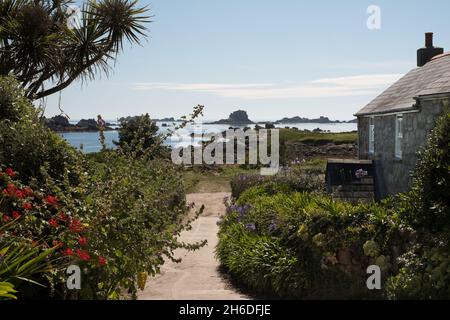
398 136
371 135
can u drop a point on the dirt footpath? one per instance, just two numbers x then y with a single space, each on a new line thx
197 276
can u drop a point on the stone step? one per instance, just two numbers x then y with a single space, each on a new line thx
360 194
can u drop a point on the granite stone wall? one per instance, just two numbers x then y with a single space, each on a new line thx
394 175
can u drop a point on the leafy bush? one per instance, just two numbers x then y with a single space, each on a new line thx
115 215
260 262
429 198
288 179
140 133
425 273
38 225
330 241
425 268
139 210
27 145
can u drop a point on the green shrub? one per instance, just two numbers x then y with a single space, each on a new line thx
425 267
139 134
288 179
260 263
425 273
116 214
429 199
26 144
329 240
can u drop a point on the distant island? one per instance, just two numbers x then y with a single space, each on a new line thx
321 119
238 117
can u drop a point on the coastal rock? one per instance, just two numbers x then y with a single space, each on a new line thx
238 117
57 123
60 123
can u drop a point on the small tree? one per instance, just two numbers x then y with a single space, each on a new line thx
138 134
46 51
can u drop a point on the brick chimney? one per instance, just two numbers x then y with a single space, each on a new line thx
424 55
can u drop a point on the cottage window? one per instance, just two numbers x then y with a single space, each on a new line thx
398 136
371 135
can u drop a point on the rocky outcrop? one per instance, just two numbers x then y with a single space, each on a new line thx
61 124
238 117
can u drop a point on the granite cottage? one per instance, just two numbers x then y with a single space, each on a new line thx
393 127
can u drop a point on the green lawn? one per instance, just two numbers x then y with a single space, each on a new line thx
217 179
290 135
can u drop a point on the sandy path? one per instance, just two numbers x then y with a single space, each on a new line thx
197 276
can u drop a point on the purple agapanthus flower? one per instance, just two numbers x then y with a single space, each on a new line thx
242 211
242 177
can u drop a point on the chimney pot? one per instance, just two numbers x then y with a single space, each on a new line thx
429 39
424 55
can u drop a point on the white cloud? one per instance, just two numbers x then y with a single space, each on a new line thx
328 87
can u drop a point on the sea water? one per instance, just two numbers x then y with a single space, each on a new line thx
89 141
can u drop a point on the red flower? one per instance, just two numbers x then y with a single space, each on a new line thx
19 194
28 191
53 222
16 214
6 218
63 216
83 255
102 261
75 226
68 252
51 200
11 188
10 172
82 241
27 206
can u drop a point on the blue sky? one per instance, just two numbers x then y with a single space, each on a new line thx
271 58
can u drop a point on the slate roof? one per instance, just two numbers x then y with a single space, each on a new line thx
432 78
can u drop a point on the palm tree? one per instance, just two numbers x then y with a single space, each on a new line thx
46 53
